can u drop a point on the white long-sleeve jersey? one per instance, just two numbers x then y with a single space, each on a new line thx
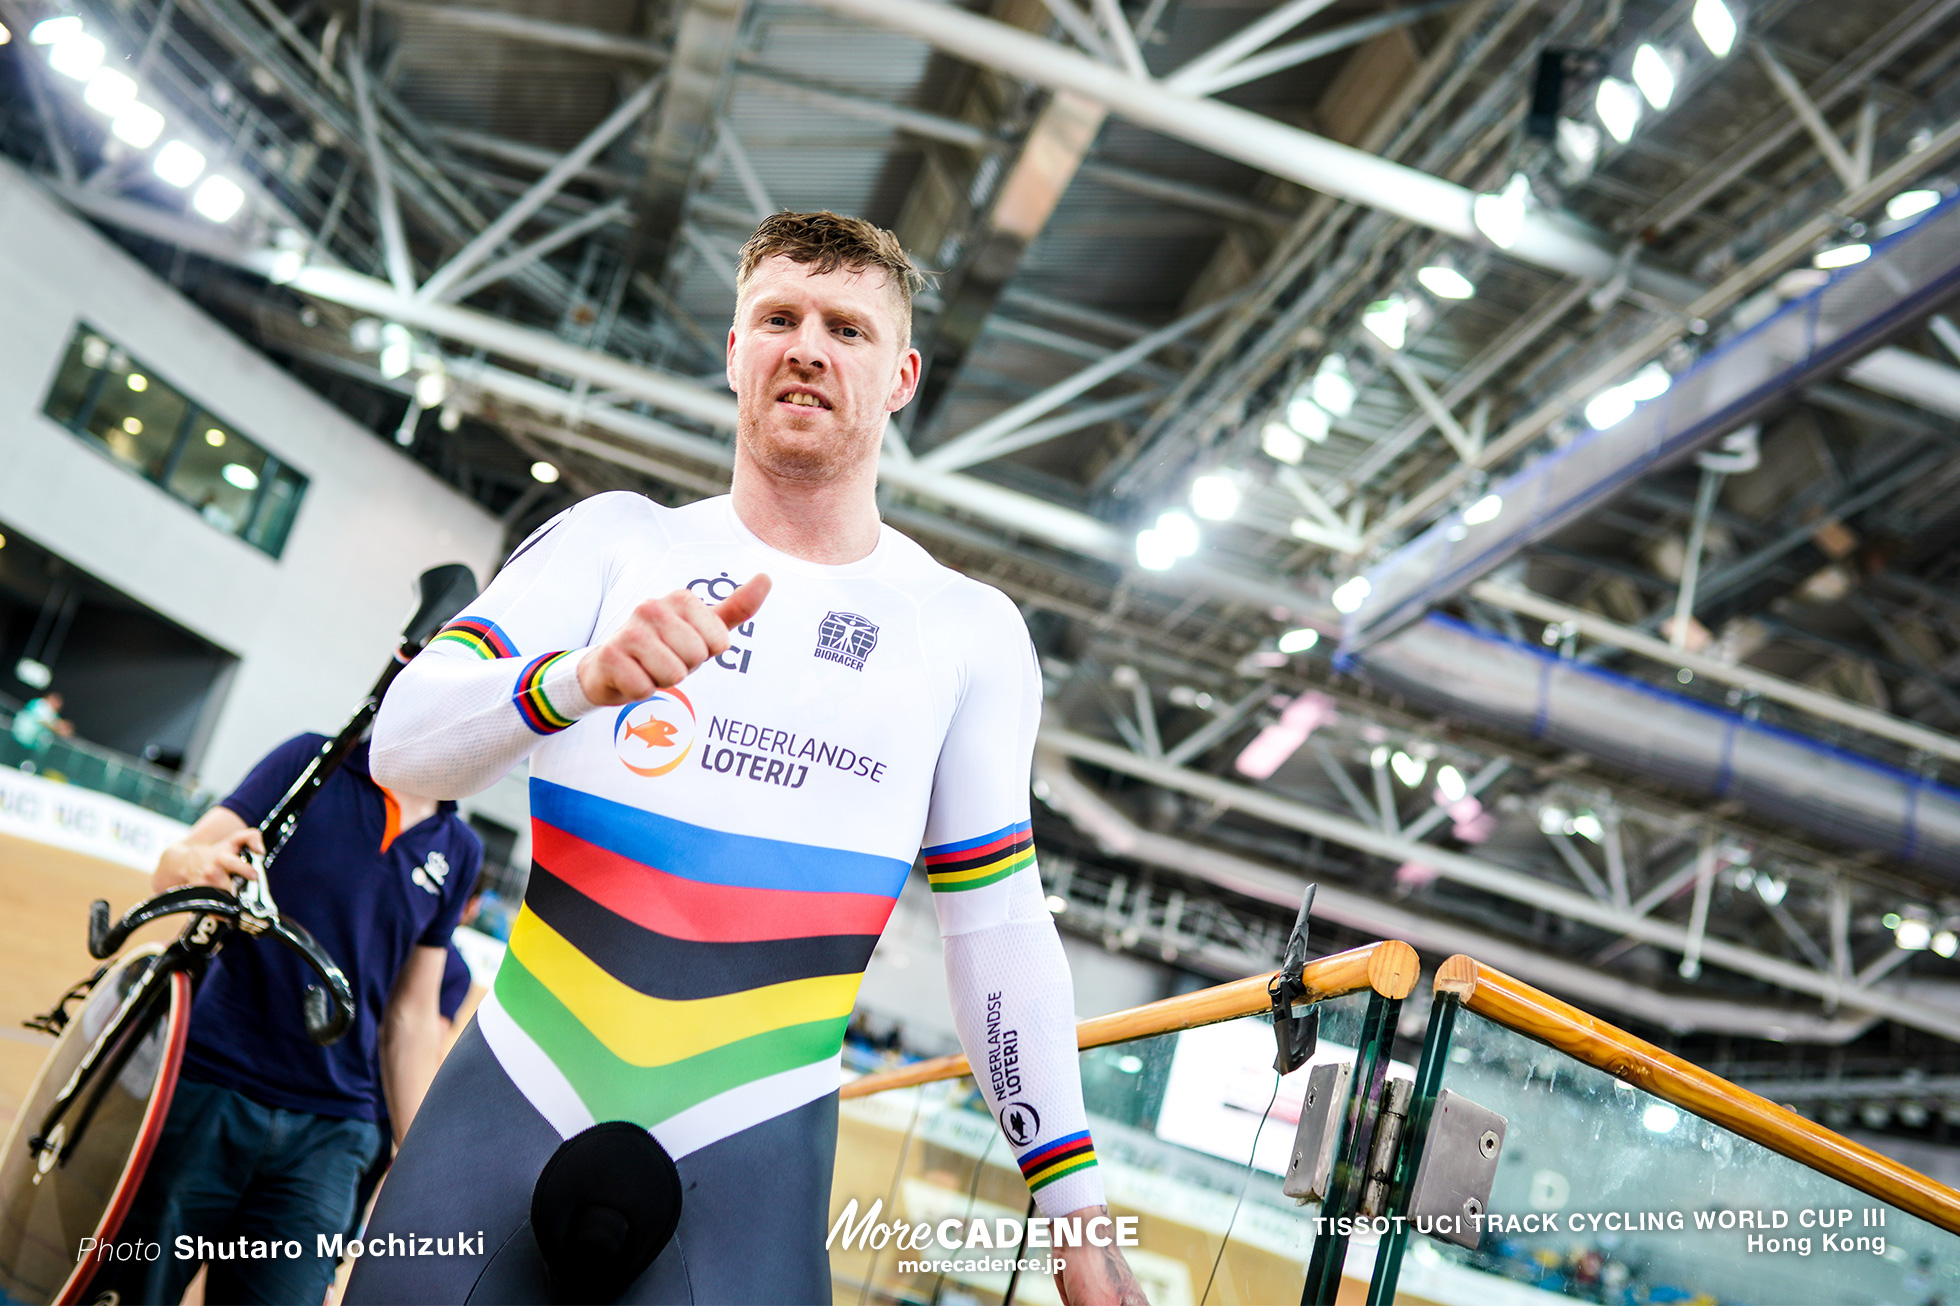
712 866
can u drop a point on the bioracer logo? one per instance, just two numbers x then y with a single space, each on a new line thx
847 638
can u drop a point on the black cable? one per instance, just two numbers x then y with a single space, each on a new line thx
1229 1224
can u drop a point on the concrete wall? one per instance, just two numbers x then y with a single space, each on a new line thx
311 629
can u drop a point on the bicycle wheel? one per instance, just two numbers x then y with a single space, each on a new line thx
49 1205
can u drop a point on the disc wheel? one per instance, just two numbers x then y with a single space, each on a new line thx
53 1197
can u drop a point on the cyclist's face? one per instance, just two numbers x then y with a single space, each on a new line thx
818 365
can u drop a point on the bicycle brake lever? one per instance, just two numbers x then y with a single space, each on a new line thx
258 912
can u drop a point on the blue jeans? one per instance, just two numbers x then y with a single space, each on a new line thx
228 1169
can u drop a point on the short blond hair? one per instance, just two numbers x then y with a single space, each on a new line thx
827 241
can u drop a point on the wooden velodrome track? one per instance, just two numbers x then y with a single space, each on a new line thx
44 898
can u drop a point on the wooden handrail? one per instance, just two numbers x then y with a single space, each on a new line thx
1390 968
1516 1005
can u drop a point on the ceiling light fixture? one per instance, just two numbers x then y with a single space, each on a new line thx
77 55
1299 641
1500 215
1653 76
52 30
179 164
1332 388
1841 256
109 91
1215 496
1282 443
1716 26
544 473
218 198
1910 204
138 125
1449 784
1618 107
1483 510
1446 282
1351 594
1388 320
1309 420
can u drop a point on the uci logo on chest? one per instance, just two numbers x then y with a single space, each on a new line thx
430 874
654 735
711 590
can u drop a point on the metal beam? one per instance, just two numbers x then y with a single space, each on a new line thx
603 216
1313 47
394 243
1820 131
1827 706
971 447
507 223
1339 170
1682 1013
1504 882
533 31
678 137
1055 147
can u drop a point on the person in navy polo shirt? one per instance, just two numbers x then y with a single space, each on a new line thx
268 1135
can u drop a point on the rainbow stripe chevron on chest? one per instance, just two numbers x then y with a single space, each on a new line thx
665 968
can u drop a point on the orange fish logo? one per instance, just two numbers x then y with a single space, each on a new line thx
655 735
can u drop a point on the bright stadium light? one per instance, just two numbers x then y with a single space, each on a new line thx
544 473
1282 443
1483 510
109 91
1449 783
1653 76
1716 26
1309 419
1179 532
179 164
139 125
1351 594
1388 320
1841 256
1910 204
1618 107
51 31
1500 215
1332 387
218 198
1299 641
1446 282
1215 496
1154 552
77 55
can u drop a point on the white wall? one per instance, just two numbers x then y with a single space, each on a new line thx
312 629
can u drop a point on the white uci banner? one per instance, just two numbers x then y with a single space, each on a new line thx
83 821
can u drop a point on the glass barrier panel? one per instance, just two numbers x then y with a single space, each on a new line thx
1608 1194
1174 1120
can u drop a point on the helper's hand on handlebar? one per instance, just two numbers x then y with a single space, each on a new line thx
662 641
210 864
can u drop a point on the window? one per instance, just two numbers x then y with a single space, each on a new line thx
149 426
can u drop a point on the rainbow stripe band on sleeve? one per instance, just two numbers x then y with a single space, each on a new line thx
976 863
532 705
1051 1161
479 635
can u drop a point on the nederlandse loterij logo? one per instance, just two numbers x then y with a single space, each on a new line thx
847 638
654 735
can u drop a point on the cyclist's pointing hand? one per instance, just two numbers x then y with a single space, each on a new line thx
662 641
